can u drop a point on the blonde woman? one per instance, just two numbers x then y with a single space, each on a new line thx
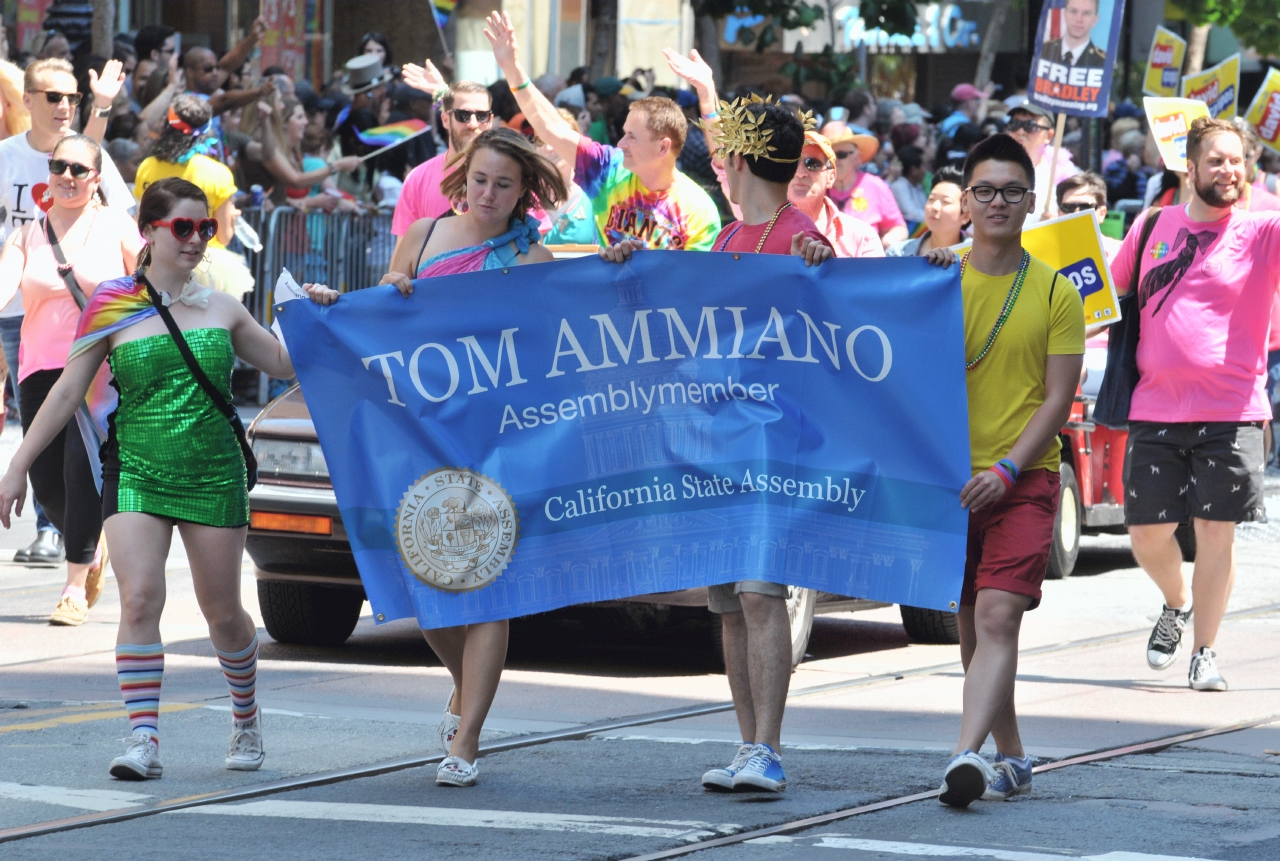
17 119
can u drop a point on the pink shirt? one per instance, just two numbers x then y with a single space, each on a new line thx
421 197
870 200
1206 291
849 236
52 314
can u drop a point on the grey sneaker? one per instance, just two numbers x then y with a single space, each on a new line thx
1204 675
1166 638
246 753
722 778
966 779
141 758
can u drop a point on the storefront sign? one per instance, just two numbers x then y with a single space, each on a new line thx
1218 87
1164 64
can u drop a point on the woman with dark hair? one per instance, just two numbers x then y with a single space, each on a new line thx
943 216
57 261
501 178
173 456
374 42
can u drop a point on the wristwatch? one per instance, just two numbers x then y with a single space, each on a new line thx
102 113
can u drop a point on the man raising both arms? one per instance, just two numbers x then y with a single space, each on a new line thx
636 191
1024 346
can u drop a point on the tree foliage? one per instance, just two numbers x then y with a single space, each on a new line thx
1256 23
893 16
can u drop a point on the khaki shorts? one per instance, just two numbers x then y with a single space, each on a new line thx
723 598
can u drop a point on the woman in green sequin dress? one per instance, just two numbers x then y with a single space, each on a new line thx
171 458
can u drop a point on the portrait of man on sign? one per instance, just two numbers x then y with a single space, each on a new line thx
1074 47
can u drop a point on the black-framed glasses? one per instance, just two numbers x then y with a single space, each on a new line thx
1068 208
1026 126
462 116
182 228
987 193
53 97
58 166
816 164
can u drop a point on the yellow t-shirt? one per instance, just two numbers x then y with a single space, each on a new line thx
213 177
1007 387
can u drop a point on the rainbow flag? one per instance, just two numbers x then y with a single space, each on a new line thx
443 9
380 136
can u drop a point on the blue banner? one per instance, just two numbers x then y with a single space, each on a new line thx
509 442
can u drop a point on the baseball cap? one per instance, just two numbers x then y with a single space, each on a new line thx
965 92
815 139
608 86
1032 108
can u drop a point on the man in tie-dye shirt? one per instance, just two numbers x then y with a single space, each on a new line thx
635 189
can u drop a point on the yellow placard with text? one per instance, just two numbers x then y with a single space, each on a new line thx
1164 64
1072 244
1218 87
1169 120
1264 111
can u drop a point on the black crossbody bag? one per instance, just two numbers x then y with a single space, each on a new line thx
250 462
64 268
1121 376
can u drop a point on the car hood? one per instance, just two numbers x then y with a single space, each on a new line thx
286 417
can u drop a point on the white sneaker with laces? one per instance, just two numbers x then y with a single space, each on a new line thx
722 778
141 758
449 723
1204 675
246 752
456 771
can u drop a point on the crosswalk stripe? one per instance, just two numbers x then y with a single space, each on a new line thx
893 847
457 817
83 799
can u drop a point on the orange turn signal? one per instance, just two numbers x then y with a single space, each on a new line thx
276 522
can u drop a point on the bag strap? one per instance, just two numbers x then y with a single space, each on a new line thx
64 268
1148 226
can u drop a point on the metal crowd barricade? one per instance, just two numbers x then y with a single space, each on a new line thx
346 251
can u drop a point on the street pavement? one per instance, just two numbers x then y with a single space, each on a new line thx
627 791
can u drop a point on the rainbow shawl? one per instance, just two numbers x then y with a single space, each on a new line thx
493 253
115 305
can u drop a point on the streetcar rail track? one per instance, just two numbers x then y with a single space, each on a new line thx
225 796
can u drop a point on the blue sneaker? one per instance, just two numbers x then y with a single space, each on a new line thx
967 777
763 771
1013 777
722 778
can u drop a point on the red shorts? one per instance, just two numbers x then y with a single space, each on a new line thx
1009 541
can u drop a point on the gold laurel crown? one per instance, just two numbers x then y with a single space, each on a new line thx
737 128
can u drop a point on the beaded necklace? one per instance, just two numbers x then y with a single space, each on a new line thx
773 221
1014 291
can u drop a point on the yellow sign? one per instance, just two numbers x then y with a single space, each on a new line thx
1169 120
1072 244
1264 112
1218 87
1164 64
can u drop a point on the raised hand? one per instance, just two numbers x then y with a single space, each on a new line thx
106 87
502 36
425 77
258 29
693 69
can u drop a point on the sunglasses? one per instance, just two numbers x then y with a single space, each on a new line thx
1026 126
816 164
1068 208
182 228
53 97
465 116
844 155
987 193
57 167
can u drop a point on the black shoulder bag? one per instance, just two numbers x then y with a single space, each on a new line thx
250 462
64 268
1112 408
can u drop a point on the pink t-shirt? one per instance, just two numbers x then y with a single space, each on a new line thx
1206 290
52 314
849 236
870 200
744 238
421 197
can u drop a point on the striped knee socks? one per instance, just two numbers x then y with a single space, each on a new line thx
241 670
140 670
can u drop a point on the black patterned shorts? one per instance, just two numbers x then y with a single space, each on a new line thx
1179 470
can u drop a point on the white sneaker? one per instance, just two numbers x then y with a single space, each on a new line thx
1204 675
966 779
246 752
456 771
141 759
449 723
722 778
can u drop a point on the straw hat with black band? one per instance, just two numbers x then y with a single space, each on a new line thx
868 145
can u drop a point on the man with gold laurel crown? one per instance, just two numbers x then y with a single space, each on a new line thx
761 144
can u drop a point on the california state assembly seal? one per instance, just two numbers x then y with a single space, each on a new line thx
456 529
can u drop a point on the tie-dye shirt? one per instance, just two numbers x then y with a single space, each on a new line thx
682 217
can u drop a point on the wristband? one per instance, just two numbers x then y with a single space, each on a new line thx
1010 466
527 82
102 113
714 115
1004 476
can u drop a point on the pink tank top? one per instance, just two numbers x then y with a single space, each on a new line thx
51 313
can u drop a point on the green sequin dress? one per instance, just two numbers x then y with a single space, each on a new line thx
177 455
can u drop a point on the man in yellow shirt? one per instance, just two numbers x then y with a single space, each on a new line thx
1024 346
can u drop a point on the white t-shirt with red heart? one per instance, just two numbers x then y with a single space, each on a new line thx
24 176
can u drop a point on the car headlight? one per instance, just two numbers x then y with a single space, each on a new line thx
290 459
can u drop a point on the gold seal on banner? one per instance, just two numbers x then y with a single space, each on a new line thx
456 529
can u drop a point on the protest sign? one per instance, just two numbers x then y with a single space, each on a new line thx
1218 87
1076 49
1169 120
1164 64
1264 111
512 441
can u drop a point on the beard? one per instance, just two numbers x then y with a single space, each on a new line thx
1216 198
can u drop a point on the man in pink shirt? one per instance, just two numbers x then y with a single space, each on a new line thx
815 174
1206 288
466 109
858 193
